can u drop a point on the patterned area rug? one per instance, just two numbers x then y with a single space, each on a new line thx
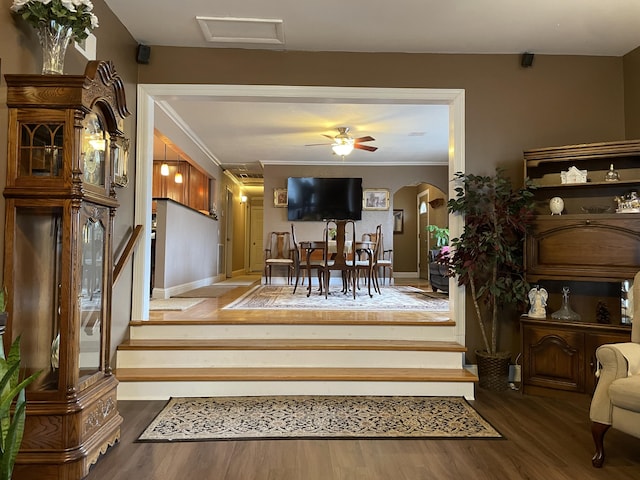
238 418
173 303
265 297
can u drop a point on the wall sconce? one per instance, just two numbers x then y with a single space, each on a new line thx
243 199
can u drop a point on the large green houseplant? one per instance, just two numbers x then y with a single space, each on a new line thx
11 422
487 258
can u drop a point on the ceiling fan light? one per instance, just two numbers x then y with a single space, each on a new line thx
342 149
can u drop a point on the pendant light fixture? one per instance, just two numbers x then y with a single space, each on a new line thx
164 168
178 177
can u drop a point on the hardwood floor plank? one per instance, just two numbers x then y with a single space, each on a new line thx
292 344
544 438
290 373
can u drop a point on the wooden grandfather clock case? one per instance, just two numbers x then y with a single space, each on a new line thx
64 142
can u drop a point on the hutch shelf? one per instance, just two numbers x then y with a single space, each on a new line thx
592 248
66 149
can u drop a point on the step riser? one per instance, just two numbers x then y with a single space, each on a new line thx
372 332
166 390
287 358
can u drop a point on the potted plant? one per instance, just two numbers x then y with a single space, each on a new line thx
487 258
441 234
11 390
4 316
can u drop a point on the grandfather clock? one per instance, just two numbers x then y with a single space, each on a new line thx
65 148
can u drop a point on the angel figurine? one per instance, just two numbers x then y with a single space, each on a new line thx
538 301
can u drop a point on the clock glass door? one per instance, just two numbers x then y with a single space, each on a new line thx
94 144
92 219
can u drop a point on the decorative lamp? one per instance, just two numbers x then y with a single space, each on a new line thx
178 177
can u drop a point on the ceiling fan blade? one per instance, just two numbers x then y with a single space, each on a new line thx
364 139
329 136
316 144
365 147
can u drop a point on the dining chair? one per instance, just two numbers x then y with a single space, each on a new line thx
280 252
384 258
341 260
364 259
305 260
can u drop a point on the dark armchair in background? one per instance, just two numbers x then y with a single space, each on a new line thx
438 271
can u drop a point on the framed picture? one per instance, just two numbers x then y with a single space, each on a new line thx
280 197
398 221
120 162
375 199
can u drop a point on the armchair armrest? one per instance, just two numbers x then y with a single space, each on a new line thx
614 365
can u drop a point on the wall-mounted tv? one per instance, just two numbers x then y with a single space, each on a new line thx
317 199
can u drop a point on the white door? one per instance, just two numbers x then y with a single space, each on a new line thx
423 235
228 247
256 255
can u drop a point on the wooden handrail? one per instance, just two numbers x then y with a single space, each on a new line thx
128 251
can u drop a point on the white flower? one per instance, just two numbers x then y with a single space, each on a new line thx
76 14
69 5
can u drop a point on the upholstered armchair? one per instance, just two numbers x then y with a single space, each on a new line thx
616 400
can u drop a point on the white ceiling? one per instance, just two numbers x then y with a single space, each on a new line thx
242 133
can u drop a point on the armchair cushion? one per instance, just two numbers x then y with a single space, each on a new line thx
614 367
625 393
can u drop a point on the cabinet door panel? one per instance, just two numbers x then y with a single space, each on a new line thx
554 359
604 248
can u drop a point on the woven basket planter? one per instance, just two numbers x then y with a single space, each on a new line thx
493 370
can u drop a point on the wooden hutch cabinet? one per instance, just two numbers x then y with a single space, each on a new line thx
592 247
65 140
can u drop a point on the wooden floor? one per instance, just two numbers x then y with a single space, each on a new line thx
544 438
210 310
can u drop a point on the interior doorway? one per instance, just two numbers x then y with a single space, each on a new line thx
149 95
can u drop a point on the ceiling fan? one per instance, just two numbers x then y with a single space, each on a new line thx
343 143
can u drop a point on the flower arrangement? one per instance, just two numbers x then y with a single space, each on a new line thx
76 14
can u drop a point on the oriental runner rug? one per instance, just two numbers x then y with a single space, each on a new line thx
267 297
246 418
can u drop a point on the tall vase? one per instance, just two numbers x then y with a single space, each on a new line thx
54 39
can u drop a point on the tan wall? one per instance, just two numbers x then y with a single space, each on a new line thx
632 93
560 100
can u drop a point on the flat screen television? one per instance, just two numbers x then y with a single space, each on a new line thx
318 199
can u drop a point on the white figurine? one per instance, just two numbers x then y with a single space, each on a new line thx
538 300
556 205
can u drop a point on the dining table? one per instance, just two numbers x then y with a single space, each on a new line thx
345 253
